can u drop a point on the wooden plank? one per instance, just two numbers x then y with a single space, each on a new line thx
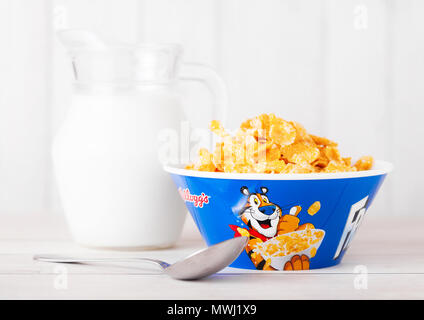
23 106
247 286
357 76
389 266
193 25
271 57
113 19
374 247
408 96
358 115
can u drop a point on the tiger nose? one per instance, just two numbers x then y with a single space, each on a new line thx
268 210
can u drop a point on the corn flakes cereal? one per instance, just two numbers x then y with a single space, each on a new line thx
314 208
348 161
290 243
313 252
269 144
205 161
218 129
243 232
364 163
282 133
332 153
337 166
300 153
323 141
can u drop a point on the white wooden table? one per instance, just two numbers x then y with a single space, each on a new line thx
390 251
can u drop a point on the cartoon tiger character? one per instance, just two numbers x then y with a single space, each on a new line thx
265 221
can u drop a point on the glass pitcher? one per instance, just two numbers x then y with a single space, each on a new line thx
114 191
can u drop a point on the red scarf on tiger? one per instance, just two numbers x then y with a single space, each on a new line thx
251 231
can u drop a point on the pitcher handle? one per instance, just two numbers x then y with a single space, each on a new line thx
215 84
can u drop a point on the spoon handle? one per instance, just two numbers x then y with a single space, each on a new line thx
63 259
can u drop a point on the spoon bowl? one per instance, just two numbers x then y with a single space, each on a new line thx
200 264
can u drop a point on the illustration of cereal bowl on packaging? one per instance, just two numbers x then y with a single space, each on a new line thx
283 251
293 221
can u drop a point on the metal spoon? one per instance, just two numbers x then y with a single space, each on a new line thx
198 265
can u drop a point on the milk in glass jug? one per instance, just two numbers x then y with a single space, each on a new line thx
114 191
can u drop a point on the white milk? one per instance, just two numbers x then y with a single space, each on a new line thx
113 188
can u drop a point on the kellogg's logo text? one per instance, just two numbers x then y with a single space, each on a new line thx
197 200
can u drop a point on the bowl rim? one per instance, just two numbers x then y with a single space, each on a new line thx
380 168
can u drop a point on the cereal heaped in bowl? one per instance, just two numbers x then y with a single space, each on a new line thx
269 144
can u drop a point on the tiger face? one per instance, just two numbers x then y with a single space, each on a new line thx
259 213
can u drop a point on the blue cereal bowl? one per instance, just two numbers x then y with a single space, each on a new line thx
293 221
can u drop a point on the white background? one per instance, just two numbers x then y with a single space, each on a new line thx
350 70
